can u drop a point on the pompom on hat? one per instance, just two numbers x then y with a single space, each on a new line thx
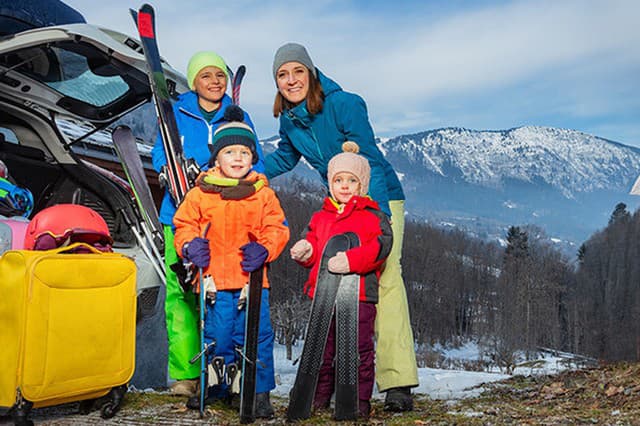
292 52
350 161
234 132
201 60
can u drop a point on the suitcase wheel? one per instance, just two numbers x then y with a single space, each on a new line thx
20 413
108 410
113 401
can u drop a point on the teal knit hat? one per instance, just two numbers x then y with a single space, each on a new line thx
234 132
202 60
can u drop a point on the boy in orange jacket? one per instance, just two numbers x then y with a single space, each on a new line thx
348 210
246 231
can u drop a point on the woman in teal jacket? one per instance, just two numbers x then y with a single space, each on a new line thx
198 114
316 118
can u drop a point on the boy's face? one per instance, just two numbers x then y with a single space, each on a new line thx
210 84
344 186
234 161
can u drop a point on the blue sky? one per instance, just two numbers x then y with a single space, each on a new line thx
422 65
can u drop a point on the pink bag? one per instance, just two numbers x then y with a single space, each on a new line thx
12 233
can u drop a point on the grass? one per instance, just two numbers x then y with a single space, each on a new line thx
606 395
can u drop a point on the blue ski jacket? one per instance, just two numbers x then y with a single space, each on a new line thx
196 135
319 137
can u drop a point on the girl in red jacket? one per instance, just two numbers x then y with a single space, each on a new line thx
348 210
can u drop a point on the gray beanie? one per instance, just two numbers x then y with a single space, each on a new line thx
292 52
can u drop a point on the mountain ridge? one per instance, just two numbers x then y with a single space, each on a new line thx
565 181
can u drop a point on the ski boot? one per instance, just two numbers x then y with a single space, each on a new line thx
264 409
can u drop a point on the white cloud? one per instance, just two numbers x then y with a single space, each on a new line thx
401 63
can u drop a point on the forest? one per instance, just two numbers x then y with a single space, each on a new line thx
518 298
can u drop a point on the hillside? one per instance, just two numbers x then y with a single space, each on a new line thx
564 181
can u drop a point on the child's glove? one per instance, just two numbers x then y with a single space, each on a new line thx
301 251
197 251
253 256
339 264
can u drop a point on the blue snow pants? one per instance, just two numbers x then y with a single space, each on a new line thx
224 324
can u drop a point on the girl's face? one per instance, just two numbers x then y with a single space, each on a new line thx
234 161
292 79
210 84
344 186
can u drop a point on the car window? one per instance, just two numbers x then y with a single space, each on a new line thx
76 70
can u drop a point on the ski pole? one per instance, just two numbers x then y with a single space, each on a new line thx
154 262
154 247
203 346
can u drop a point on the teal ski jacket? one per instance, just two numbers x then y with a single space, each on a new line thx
319 137
196 135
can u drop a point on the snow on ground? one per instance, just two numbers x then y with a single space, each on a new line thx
435 383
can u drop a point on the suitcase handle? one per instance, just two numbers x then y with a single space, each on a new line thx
74 246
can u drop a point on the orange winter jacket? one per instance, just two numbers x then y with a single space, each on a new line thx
234 212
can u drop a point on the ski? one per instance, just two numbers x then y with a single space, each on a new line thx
127 150
304 387
347 357
236 84
250 353
179 172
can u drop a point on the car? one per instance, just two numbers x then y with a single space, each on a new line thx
62 88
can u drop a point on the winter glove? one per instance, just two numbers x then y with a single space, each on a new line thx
253 256
339 264
198 252
301 251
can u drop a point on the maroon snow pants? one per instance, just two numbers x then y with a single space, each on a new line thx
366 350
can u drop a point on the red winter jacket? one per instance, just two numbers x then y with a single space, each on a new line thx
362 216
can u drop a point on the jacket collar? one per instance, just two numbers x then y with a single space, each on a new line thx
355 203
212 181
188 103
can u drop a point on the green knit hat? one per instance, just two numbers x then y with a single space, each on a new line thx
202 60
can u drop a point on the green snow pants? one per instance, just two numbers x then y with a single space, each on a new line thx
395 353
182 319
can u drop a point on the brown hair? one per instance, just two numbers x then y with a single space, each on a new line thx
315 99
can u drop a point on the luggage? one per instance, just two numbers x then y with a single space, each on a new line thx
12 232
67 327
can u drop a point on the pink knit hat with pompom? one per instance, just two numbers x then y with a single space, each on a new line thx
350 161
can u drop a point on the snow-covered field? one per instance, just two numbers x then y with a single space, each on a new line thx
436 383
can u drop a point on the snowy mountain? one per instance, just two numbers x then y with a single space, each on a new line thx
564 181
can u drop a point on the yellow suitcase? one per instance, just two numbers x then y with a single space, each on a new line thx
67 327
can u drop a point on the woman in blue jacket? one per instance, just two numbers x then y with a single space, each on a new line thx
198 114
316 117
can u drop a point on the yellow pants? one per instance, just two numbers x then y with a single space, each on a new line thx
395 352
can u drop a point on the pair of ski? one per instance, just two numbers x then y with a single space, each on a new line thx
179 176
341 292
217 370
180 173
